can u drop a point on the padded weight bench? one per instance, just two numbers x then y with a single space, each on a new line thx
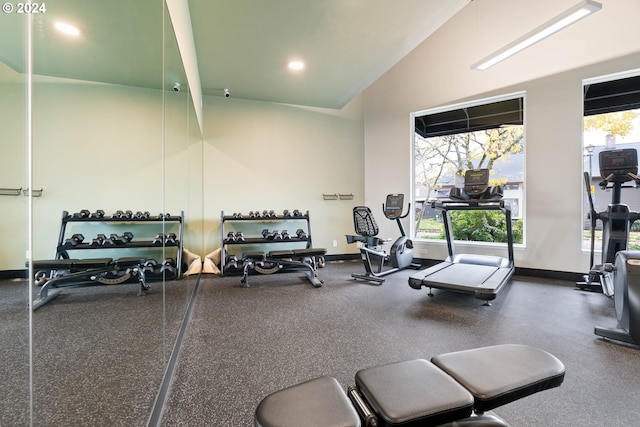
84 272
295 259
453 389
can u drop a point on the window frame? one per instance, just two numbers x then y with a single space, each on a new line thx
450 107
585 242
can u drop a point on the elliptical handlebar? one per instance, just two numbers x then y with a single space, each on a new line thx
593 215
611 178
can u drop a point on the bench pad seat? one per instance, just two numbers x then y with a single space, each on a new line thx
320 402
297 253
70 264
500 374
413 393
130 261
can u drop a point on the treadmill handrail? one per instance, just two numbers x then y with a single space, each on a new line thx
471 204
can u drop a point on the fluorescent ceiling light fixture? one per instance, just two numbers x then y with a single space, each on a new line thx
67 29
296 65
576 13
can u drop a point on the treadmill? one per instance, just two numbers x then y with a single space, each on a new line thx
481 275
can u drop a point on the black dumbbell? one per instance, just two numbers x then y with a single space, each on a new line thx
149 266
159 240
270 235
168 265
170 239
237 215
117 240
127 214
231 237
74 240
239 236
286 235
127 236
97 214
301 234
82 214
117 214
232 262
297 213
98 240
286 213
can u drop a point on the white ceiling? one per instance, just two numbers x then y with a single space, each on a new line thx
242 45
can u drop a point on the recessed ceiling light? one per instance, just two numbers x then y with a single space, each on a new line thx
296 65
67 29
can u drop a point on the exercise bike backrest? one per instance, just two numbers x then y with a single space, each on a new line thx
364 223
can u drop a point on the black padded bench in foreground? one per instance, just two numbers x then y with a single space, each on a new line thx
60 273
453 389
307 260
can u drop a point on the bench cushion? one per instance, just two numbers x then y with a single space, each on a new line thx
130 261
413 393
281 254
69 264
310 252
320 402
500 374
255 256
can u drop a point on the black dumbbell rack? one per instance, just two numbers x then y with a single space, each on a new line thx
251 226
150 238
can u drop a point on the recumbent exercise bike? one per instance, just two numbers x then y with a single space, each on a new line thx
400 255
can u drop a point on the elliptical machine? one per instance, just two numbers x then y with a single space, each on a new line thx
626 298
616 168
401 253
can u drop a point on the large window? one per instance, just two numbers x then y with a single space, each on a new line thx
449 141
611 121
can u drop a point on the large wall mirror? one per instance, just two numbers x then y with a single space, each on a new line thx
14 294
105 123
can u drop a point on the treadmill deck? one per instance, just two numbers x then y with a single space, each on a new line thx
485 281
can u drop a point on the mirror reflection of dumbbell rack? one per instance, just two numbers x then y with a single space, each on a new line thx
148 245
262 228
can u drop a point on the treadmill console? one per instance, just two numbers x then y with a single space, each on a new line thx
476 182
616 165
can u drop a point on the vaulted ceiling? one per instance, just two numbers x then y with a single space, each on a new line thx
242 45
